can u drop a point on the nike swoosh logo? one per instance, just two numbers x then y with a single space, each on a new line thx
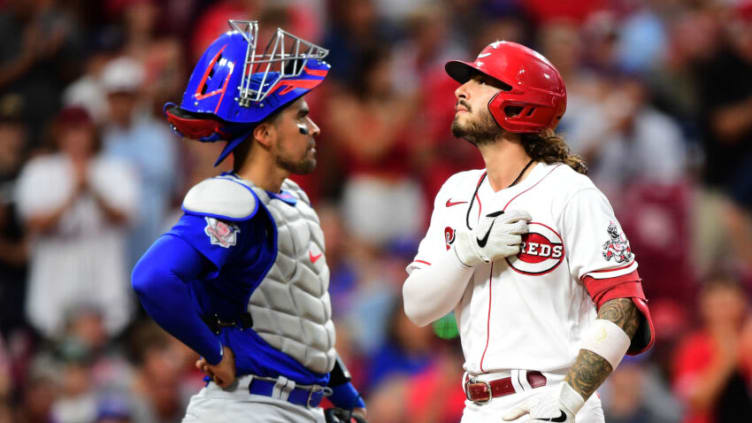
562 418
482 241
314 258
451 203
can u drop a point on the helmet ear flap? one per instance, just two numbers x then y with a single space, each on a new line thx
511 115
496 107
521 116
191 126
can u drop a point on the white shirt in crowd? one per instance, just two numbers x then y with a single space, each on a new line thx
81 262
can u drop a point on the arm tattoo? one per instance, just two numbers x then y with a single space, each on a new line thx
623 312
587 373
590 369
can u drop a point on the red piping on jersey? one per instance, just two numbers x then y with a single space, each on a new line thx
611 270
488 321
421 261
531 187
477 197
490 278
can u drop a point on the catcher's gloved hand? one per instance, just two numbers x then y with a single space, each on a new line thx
498 235
552 404
339 415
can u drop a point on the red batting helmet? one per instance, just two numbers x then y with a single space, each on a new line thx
535 98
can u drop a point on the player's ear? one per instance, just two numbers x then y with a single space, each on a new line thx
264 133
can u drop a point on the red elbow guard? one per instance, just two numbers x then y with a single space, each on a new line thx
626 286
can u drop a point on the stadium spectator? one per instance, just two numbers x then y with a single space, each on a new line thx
76 213
38 56
157 394
13 246
369 121
131 134
712 366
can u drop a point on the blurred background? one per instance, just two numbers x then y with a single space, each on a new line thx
660 106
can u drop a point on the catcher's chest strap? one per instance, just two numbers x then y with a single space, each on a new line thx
216 324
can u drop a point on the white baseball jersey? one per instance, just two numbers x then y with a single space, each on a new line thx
529 311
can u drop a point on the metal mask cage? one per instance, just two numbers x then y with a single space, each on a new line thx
285 56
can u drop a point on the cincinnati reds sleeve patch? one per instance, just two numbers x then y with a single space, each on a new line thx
617 247
220 233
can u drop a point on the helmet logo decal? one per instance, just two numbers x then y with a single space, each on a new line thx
291 84
220 91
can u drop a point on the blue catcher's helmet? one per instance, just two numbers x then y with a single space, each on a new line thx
232 88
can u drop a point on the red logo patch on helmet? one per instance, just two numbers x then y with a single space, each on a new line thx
449 233
541 252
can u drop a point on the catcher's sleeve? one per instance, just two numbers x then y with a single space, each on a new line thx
159 280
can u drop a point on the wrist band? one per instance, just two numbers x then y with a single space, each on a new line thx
607 340
570 398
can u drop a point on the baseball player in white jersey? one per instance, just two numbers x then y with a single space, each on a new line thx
527 253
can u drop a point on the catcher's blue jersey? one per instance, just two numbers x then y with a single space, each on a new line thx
206 265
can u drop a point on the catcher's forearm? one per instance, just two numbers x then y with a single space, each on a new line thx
590 370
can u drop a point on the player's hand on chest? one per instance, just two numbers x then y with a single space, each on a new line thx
526 239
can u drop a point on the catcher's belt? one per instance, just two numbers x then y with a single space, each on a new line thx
480 392
287 390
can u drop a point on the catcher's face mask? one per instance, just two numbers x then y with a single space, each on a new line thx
233 87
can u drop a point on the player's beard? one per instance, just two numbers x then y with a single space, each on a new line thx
303 166
482 130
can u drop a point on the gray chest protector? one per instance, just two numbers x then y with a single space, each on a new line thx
291 308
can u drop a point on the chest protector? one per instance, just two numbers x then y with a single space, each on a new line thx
291 308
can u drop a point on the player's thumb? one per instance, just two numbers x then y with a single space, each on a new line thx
516 413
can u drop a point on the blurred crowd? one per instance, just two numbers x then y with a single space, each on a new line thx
659 105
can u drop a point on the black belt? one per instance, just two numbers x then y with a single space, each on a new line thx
216 323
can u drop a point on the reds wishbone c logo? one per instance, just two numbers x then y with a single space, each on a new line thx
449 234
541 252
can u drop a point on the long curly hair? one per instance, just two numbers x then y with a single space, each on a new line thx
549 147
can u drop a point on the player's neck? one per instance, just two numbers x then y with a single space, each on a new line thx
505 159
263 172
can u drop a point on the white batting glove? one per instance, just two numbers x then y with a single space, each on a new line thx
552 404
498 235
